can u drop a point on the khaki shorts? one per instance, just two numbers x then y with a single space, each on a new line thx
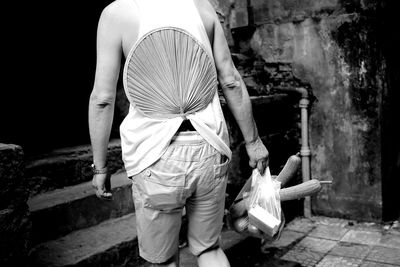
191 174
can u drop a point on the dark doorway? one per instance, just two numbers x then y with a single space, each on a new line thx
51 74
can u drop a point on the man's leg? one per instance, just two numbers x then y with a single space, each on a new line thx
157 229
211 258
205 209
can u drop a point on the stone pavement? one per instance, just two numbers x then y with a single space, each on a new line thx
317 241
323 241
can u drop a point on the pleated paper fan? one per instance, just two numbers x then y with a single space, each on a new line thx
169 73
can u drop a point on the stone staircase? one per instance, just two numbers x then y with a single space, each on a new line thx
72 227
61 211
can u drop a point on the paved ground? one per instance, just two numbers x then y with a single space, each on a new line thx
318 241
322 241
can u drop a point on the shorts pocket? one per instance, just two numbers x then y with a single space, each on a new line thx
220 179
160 190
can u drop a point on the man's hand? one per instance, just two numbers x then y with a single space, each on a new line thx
102 185
258 155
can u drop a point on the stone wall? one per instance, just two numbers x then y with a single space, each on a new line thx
66 167
14 215
333 46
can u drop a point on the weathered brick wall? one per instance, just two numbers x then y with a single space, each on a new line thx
333 46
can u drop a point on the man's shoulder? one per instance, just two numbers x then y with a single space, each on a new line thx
119 9
207 14
119 12
205 7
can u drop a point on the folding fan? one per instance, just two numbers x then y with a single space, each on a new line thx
169 74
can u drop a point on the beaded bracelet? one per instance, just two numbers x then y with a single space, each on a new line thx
99 171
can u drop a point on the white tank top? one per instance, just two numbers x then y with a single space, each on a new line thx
145 138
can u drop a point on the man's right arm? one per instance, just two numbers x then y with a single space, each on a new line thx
238 99
102 98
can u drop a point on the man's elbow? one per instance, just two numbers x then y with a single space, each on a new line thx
230 83
102 100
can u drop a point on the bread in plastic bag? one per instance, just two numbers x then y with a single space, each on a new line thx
264 206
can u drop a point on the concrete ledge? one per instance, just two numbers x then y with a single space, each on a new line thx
66 167
12 189
61 211
15 226
263 99
110 243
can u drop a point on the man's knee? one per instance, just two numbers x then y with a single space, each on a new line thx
213 257
212 248
171 262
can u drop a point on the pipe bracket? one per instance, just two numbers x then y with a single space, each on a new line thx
304 102
305 152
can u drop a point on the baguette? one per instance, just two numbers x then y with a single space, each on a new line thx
241 224
301 190
289 170
238 209
254 230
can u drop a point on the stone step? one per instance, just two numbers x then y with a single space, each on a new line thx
61 211
110 243
66 167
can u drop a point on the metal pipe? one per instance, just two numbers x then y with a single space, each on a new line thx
300 90
305 151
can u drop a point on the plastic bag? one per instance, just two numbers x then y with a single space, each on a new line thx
263 204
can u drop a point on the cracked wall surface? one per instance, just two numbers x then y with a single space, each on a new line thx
336 48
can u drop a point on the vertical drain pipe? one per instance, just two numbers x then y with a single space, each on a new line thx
305 151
